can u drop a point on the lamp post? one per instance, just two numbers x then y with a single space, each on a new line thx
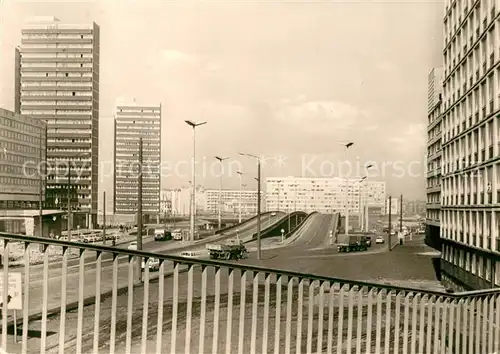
259 251
193 178
363 211
220 159
360 203
278 187
347 146
240 175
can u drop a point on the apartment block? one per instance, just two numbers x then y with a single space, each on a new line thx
132 122
326 195
470 185
434 155
229 201
23 143
57 81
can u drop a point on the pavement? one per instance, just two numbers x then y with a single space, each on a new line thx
409 264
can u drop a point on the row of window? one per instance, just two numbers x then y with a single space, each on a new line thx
477 228
11 123
36 74
20 137
472 262
42 94
433 214
55 56
54 45
17 181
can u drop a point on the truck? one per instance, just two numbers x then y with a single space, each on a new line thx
352 243
234 249
162 235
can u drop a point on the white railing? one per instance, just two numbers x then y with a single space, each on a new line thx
89 298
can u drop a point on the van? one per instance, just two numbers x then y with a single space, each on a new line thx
177 234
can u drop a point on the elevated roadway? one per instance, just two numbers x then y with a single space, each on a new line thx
90 265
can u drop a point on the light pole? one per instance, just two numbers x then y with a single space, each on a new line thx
347 146
361 219
362 201
278 187
220 159
259 251
193 178
240 175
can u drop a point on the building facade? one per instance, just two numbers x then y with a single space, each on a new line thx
133 122
57 78
434 155
229 201
470 185
23 144
326 195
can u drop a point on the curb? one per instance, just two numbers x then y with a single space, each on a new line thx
90 300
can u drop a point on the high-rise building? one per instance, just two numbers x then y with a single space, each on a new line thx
470 185
132 122
229 201
22 161
325 195
434 154
57 80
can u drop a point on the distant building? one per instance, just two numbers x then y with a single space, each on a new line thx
23 144
230 201
133 122
325 195
434 155
57 80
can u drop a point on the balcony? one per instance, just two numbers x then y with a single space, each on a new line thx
196 306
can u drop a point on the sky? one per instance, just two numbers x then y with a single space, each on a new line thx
289 81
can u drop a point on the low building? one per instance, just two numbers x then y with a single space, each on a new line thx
27 222
23 144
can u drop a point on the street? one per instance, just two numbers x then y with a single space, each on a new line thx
404 264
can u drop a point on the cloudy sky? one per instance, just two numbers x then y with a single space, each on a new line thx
287 80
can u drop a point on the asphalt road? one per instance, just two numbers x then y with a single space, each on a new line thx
303 255
73 279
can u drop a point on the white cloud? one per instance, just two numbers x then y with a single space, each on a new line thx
414 135
319 115
176 57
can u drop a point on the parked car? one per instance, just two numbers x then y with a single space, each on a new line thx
379 239
273 214
132 246
153 264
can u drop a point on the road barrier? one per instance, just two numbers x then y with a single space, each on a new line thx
216 306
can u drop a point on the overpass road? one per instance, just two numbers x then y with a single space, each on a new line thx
310 243
90 265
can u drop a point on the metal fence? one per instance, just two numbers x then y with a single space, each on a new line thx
88 298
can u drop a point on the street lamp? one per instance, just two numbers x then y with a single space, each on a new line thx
240 175
363 212
259 251
193 178
278 187
347 146
220 159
